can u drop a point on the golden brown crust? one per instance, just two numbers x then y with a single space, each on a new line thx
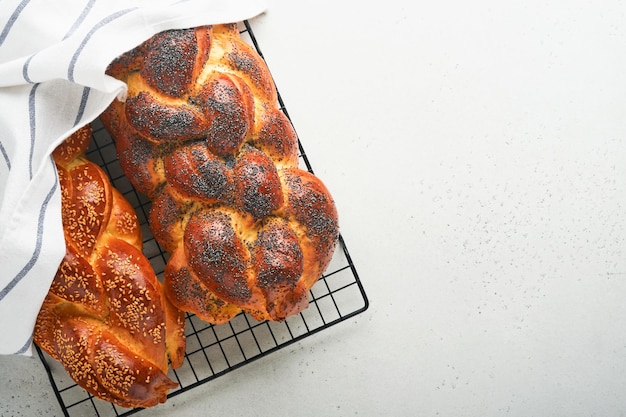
76 144
187 291
106 317
201 134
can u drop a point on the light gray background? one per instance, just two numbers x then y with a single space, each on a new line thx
477 155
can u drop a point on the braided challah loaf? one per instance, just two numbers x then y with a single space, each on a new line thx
106 318
201 134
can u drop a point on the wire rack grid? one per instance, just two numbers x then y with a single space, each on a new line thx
214 350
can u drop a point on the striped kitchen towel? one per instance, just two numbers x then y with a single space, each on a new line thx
53 55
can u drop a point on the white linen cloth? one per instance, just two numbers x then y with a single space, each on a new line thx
53 55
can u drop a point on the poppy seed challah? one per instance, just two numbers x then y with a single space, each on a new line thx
201 134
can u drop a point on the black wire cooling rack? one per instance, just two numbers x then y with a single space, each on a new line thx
214 350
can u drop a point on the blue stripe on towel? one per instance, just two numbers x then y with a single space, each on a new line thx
26 346
80 18
83 104
35 256
12 19
69 33
25 70
31 116
5 155
98 26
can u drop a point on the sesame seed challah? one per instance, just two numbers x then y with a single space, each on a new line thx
106 318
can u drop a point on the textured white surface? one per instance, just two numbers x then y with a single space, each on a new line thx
477 153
